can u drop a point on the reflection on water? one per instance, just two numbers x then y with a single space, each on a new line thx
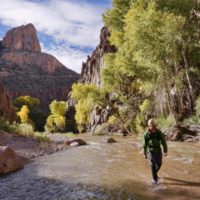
108 171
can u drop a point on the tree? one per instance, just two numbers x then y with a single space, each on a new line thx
158 48
114 19
24 115
56 121
26 100
36 115
87 96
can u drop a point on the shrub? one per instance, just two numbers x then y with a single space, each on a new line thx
24 130
5 125
164 122
112 120
194 119
139 123
69 135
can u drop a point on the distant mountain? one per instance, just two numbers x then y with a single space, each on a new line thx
25 70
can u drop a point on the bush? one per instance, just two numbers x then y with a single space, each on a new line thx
112 120
21 129
164 122
24 130
81 128
41 137
5 125
139 123
69 135
194 119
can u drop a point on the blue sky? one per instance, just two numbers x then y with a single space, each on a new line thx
67 29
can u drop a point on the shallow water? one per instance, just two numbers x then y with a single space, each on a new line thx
101 171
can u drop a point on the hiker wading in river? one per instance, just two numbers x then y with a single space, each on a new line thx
153 138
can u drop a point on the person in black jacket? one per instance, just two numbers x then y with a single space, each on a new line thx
153 138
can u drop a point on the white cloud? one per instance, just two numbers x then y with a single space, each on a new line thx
71 58
71 22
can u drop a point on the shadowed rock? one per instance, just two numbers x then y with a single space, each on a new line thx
108 140
6 108
9 161
181 133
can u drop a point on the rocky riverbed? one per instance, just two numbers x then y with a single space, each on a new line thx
101 171
29 148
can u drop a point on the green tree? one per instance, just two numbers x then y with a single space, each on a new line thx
29 101
158 47
114 19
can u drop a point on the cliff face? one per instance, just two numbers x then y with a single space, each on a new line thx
91 68
25 70
6 108
22 38
90 72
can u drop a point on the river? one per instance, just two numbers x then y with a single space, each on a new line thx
101 171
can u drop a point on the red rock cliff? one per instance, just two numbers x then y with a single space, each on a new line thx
6 108
25 70
22 38
91 68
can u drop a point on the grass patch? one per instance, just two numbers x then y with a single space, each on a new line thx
25 130
69 135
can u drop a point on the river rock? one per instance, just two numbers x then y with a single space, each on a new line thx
9 160
108 140
181 133
76 142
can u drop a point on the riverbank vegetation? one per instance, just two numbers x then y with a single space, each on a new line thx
155 70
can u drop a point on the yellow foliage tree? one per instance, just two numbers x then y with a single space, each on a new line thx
23 114
56 121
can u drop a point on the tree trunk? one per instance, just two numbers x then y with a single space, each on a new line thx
188 77
175 114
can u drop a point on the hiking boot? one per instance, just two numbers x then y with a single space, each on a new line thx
154 182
